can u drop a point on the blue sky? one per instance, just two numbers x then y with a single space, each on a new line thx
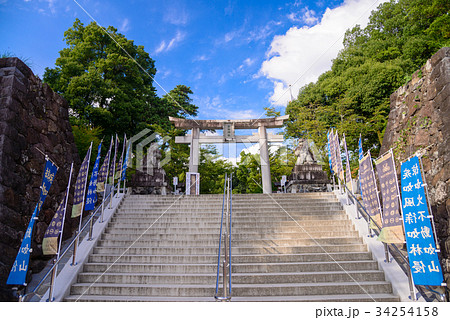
237 56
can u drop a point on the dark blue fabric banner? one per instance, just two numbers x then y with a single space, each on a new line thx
91 197
329 153
423 258
18 273
125 163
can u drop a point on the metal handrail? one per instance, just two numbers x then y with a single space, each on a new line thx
404 264
74 243
226 264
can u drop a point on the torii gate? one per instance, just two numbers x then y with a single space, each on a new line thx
228 127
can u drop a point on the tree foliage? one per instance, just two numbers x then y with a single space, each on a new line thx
353 96
248 172
108 82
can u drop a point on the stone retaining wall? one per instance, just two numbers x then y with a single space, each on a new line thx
419 121
32 117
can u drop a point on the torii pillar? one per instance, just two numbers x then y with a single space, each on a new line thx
195 139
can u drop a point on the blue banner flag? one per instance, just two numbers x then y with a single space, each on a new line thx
337 146
18 273
348 173
112 168
125 163
392 231
369 189
120 165
50 241
91 197
329 152
333 152
80 185
361 153
49 176
104 170
421 246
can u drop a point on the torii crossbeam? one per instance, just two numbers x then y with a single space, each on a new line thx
228 127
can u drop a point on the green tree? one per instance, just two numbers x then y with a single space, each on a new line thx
212 170
108 82
353 97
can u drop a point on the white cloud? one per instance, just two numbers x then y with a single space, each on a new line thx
310 17
125 26
241 114
176 16
302 54
202 57
167 46
248 62
216 108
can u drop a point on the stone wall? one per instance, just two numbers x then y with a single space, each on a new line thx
419 122
32 117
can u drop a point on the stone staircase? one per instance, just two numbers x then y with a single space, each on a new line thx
286 247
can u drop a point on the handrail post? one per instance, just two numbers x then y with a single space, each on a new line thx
225 238
386 253
91 226
75 246
52 282
224 276
412 290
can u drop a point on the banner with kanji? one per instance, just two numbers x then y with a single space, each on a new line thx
112 167
18 273
103 172
360 156
392 231
47 180
369 189
91 197
420 241
333 151
348 173
80 186
125 163
50 241
337 147
329 152
119 168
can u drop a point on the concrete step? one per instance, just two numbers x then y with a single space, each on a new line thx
355 257
210 209
236 205
141 242
236 220
300 234
235 250
237 268
208 278
373 297
343 297
345 225
256 290
287 224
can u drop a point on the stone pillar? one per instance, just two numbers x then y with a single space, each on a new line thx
195 150
265 162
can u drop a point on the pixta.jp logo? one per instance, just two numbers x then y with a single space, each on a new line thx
146 151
